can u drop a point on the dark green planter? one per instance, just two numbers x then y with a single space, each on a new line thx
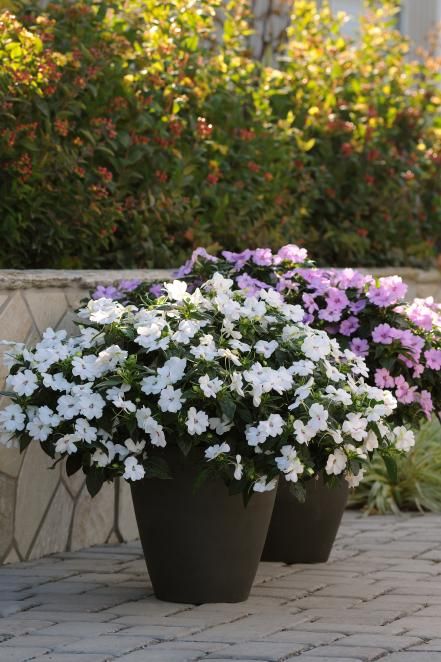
202 546
305 532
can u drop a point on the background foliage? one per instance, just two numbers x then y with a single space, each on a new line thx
132 132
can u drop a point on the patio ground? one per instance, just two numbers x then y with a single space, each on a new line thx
379 598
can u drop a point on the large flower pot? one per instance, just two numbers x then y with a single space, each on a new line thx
305 532
200 545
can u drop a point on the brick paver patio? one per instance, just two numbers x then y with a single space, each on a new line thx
379 598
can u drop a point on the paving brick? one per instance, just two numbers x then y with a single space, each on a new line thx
72 657
259 650
340 652
432 645
412 657
80 629
107 643
390 643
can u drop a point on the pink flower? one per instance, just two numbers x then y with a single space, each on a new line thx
250 285
404 393
360 346
383 378
263 257
390 291
426 403
433 358
349 326
383 334
292 253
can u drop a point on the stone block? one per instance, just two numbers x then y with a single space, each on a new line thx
35 488
7 498
126 522
75 295
74 483
10 461
54 531
93 518
47 305
67 323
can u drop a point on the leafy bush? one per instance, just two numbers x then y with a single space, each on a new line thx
129 135
418 484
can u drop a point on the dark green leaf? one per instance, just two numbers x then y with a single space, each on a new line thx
94 482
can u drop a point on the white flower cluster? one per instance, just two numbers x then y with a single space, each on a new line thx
241 379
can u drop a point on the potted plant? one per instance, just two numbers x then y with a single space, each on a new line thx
400 342
222 393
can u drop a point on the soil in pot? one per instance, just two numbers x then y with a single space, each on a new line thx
305 532
200 545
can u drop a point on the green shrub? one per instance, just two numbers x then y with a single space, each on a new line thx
130 135
418 484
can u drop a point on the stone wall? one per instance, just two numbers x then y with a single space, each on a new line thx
42 510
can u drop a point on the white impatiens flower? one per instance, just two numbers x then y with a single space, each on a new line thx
67 444
266 348
336 463
176 290
289 463
210 387
302 368
186 330
238 468
303 433
404 438
12 418
102 311
226 353
111 357
273 425
170 399
84 431
206 349
132 469
354 480
24 383
371 441
262 485
68 407
220 425
236 384
37 429
318 418
173 370
339 395
302 393
134 446
144 418
214 451
355 426
56 382
91 406
316 346
197 421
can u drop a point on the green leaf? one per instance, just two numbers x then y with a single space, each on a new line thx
24 442
391 467
8 394
73 463
228 406
94 482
